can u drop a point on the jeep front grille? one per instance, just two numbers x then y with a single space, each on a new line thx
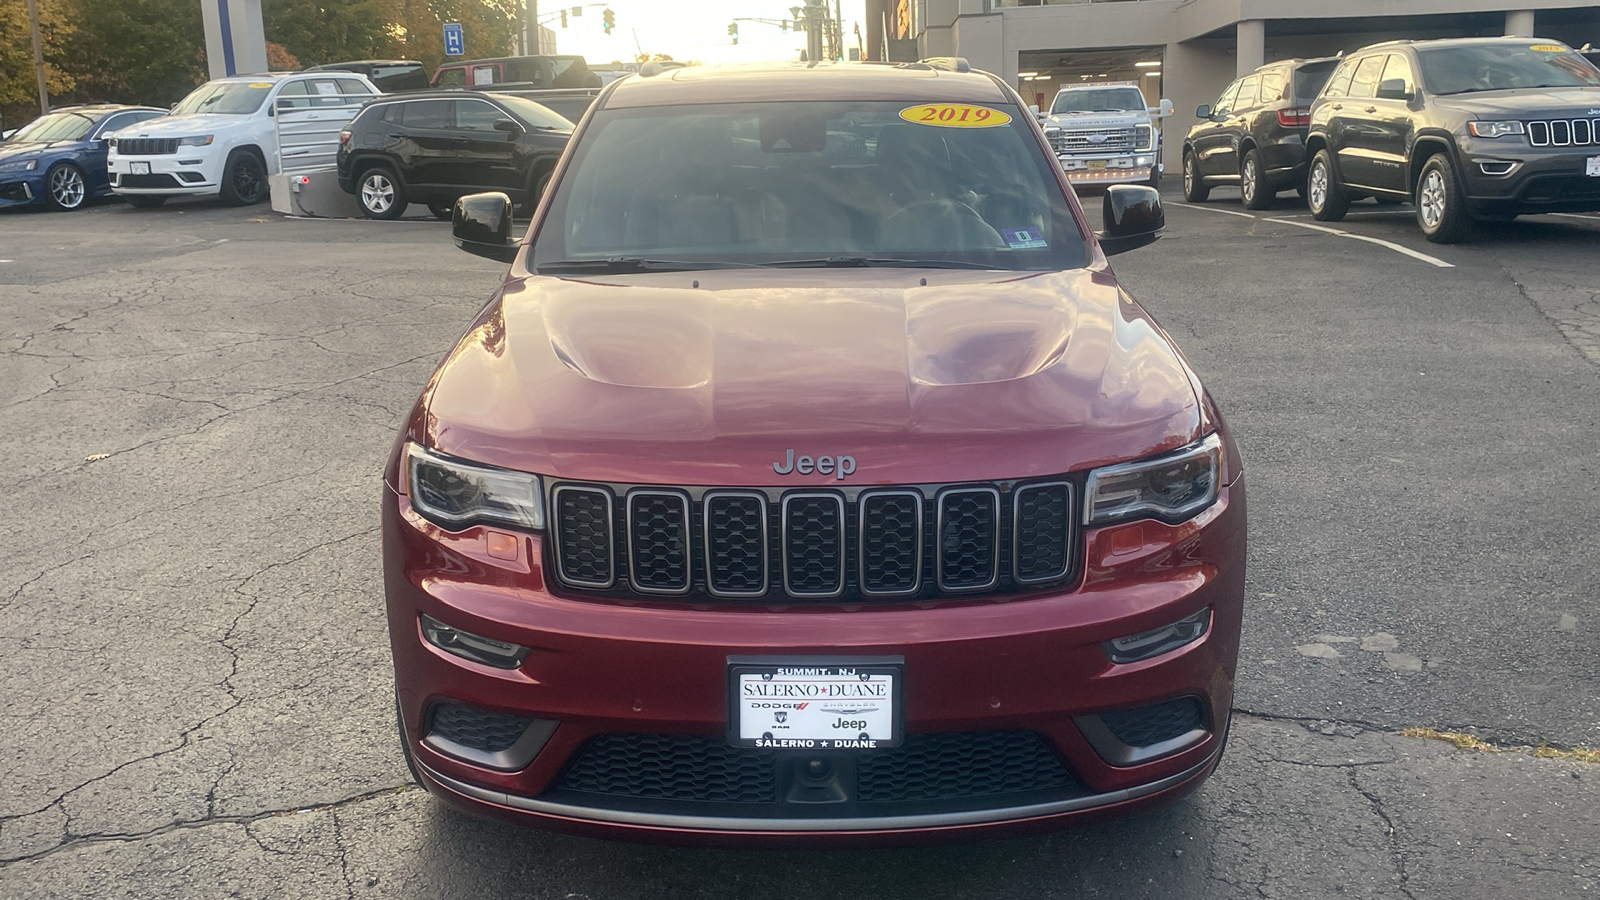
147 146
816 544
1564 133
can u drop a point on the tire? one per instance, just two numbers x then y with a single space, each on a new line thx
442 211
379 193
145 201
1324 194
65 188
1194 185
1441 203
1253 187
244 179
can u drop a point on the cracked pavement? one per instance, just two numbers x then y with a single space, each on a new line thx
197 681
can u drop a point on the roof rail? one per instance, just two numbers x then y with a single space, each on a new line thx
947 63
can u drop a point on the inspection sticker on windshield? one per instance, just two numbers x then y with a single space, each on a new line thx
1023 238
261 84
955 115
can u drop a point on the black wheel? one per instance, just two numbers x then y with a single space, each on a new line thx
145 201
1194 187
244 179
1155 177
380 194
1253 187
442 210
1324 194
1441 204
65 188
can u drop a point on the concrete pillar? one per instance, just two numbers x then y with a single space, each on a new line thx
236 41
1519 23
1252 39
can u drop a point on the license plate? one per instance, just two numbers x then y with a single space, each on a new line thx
1594 166
1097 164
138 168
815 703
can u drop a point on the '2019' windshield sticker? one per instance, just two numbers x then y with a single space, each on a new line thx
955 115
1548 48
1023 238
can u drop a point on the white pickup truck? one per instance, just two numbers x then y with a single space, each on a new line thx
1105 134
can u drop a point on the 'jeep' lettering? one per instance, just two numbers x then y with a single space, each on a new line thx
838 466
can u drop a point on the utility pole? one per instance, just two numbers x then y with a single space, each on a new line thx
38 56
530 28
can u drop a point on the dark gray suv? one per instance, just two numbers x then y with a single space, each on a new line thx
1477 128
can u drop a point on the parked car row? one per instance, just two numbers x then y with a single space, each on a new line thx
1464 129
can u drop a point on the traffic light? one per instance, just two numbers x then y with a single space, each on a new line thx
733 31
608 20
783 26
563 18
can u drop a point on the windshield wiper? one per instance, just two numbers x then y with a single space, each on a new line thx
617 265
832 262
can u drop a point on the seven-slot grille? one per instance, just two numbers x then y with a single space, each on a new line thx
147 146
1083 139
1564 133
872 542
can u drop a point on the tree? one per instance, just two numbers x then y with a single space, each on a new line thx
324 31
135 51
417 28
19 90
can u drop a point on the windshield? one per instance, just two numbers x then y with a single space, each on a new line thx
1122 99
534 114
810 183
238 98
61 126
1504 67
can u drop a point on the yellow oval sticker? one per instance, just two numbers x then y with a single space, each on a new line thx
1548 48
260 84
955 115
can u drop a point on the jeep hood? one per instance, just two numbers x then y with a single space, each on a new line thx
648 378
183 126
1555 103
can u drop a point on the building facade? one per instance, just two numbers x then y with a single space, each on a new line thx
1189 50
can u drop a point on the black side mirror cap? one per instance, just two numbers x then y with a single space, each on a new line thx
1394 89
1133 218
509 126
481 225
1203 111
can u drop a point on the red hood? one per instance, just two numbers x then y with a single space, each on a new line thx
976 376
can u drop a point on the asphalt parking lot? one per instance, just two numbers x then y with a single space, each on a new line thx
197 689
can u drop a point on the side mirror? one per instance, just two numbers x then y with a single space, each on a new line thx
1162 111
1203 111
508 126
1393 89
481 225
1133 218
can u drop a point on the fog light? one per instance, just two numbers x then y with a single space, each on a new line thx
1157 641
1144 160
1496 166
471 646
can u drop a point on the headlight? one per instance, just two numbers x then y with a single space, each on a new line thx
1494 129
454 493
1145 137
27 165
203 140
111 142
1172 486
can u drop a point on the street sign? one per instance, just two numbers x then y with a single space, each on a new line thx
454 42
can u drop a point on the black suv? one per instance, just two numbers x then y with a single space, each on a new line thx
1477 128
1255 134
436 146
388 75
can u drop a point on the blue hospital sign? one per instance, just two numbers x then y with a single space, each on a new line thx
454 43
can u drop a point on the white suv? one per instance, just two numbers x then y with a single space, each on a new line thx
221 138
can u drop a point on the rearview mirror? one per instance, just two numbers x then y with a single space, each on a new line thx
481 225
1133 218
1393 89
1203 111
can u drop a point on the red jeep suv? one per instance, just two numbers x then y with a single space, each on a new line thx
810 480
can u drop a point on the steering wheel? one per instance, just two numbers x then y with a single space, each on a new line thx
941 224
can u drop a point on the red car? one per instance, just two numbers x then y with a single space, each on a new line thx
811 481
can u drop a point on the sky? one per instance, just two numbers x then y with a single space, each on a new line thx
687 29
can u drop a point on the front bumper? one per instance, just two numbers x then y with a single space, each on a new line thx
1132 167
190 171
1503 178
1015 663
22 189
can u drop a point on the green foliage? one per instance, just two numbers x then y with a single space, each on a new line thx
325 31
19 89
135 51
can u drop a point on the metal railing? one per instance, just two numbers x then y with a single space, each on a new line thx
308 127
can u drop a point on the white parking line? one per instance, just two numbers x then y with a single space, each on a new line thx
1407 251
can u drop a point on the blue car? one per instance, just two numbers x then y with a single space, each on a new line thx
59 159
